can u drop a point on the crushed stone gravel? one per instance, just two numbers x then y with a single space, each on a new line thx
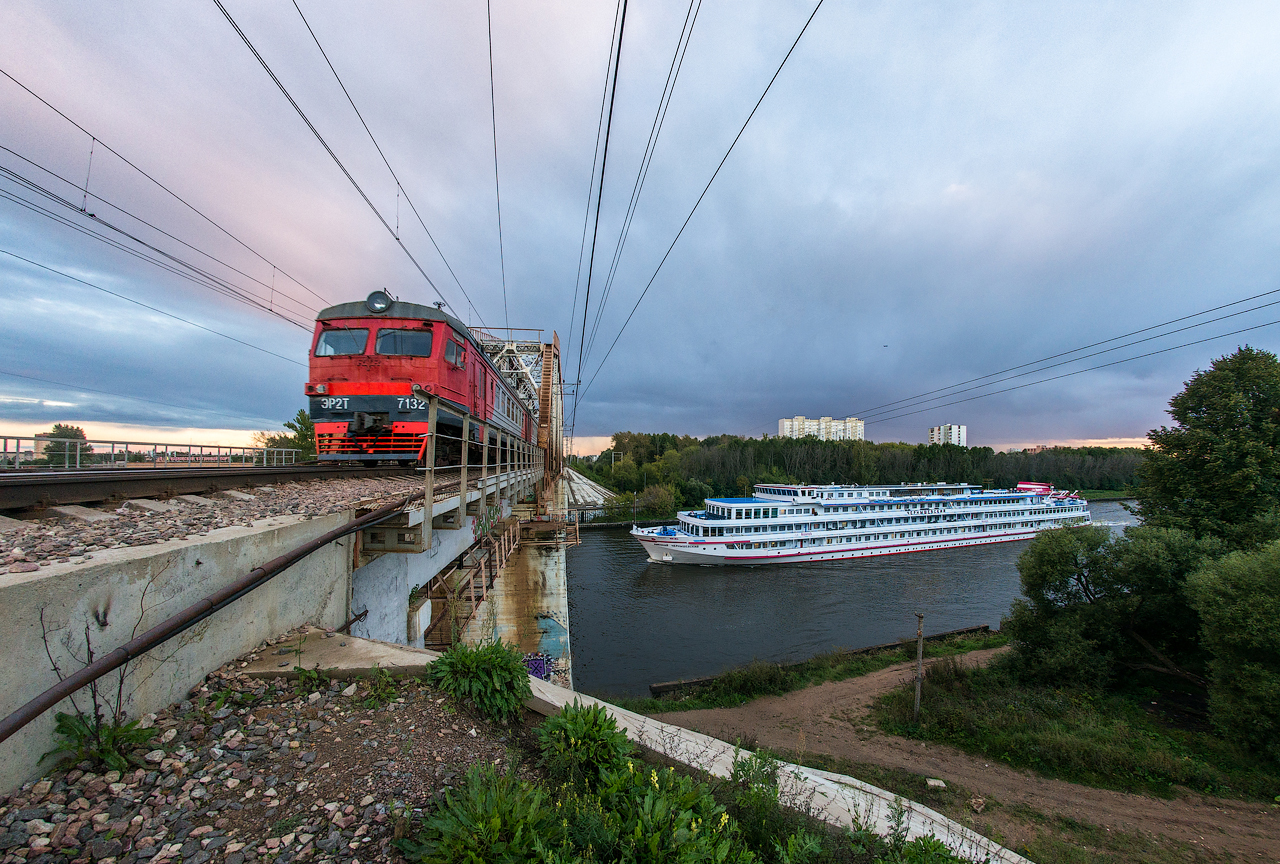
249 770
63 539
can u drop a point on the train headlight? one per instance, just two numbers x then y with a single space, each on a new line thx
322 389
378 301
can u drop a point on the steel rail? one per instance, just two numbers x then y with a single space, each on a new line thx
188 618
100 484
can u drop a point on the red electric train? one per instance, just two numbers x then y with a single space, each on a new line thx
375 364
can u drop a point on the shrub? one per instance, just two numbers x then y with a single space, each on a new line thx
492 676
1238 598
581 744
493 819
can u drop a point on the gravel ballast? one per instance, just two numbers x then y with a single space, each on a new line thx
40 542
249 770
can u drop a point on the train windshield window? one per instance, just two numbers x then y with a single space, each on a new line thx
412 343
335 342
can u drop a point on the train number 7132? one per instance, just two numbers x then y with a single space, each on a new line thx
407 404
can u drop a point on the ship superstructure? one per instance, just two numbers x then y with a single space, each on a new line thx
826 523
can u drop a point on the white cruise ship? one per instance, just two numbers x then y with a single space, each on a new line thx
829 523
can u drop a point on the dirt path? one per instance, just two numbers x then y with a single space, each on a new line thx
832 718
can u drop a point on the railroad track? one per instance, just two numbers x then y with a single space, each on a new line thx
20 490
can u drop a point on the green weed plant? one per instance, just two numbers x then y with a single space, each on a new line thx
102 741
310 681
581 745
381 686
492 676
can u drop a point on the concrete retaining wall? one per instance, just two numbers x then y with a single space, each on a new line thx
123 592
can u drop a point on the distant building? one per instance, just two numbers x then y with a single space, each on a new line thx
949 433
826 428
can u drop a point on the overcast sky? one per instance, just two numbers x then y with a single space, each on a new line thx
929 193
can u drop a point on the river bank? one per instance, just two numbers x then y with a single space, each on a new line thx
1050 821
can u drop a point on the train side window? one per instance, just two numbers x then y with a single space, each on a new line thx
405 343
333 343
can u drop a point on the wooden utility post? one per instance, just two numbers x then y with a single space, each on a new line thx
919 659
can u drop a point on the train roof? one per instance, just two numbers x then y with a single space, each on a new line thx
397 309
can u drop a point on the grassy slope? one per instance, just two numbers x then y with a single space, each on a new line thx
1042 838
1113 740
741 685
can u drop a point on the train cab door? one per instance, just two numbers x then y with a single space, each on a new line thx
455 371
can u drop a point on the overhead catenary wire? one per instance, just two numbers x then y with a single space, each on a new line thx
400 190
583 391
604 164
152 308
82 389
642 174
591 183
98 142
595 233
48 193
186 271
497 192
332 155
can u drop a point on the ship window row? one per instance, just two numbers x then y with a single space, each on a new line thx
895 535
852 524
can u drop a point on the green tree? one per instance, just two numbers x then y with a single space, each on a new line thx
64 452
1092 603
1059 628
300 435
1238 598
1217 472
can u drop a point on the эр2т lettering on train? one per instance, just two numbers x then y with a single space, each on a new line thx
375 366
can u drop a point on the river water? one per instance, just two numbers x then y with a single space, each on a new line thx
633 622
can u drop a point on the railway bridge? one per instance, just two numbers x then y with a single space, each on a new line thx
174 571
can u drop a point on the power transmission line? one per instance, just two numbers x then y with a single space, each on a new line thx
332 155
399 186
714 174
913 402
44 191
82 389
497 194
655 130
1077 350
1080 371
98 142
152 308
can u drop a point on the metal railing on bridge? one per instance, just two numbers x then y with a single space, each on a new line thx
39 452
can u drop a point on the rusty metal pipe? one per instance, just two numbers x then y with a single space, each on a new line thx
188 618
